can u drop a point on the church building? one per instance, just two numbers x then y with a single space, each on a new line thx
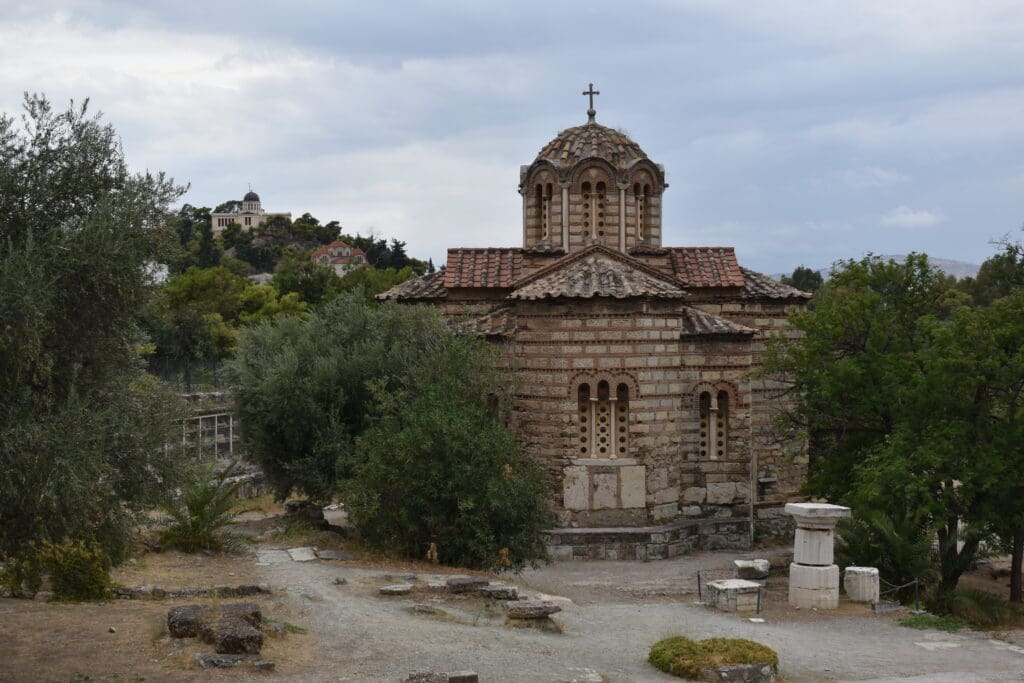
635 362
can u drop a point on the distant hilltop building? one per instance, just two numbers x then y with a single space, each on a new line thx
249 215
339 256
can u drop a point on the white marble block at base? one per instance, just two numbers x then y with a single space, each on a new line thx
813 546
813 578
861 584
733 595
810 598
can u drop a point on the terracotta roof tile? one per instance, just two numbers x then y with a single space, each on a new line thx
429 286
707 266
572 145
760 286
498 267
597 272
696 322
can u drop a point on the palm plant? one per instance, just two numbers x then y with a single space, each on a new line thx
201 510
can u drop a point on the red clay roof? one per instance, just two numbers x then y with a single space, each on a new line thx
429 286
498 267
597 271
706 266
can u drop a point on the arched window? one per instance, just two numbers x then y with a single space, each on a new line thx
705 422
588 209
640 196
722 425
542 221
622 420
583 395
599 207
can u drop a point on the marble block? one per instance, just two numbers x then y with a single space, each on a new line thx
813 546
861 584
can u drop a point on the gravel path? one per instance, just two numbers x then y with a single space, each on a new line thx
619 609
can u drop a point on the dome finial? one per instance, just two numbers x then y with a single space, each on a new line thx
591 112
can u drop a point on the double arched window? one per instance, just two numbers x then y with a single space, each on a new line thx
603 419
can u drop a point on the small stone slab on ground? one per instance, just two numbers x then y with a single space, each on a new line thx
557 599
302 554
333 555
530 609
443 677
265 557
407 577
500 591
741 673
429 610
465 584
205 660
396 589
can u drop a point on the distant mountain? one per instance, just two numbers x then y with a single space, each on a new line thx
958 269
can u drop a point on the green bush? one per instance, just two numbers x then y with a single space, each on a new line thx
79 570
687 658
199 514
900 547
437 466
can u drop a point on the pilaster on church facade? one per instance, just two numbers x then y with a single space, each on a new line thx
635 362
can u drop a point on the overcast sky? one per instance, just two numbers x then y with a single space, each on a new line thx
798 131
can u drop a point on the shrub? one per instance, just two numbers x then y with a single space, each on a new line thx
688 658
79 570
437 466
201 511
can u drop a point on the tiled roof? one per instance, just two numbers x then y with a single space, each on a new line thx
429 286
596 271
697 322
760 286
573 145
498 267
500 322
707 266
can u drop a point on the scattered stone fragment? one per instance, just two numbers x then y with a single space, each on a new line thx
530 609
207 661
265 557
500 591
340 581
111 630
263 666
184 621
466 584
396 589
242 591
752 569
429 609
407 577
442 677
333 555
437 585
463 677
232 636
302 554
248 612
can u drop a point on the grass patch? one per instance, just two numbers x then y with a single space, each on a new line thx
286 627
934 622
979 609
687 658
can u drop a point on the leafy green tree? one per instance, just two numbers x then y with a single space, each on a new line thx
81 426
301 386
804 279
312 282
372 282
437 466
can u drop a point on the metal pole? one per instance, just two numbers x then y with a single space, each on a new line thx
759 600
700 596
231 435
917 597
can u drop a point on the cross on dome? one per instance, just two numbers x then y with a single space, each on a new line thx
591 112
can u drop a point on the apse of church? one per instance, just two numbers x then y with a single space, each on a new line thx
635 362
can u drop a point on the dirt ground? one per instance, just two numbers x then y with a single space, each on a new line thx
612 613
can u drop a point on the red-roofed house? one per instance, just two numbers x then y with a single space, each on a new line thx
339 256
635 361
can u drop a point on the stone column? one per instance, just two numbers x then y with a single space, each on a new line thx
813 578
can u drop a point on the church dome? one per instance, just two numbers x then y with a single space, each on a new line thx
573 145
251 196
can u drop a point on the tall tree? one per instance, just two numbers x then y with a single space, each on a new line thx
804 279
80 426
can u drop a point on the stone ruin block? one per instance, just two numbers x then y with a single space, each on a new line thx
813 587
861 584
733 595
530 609
752 570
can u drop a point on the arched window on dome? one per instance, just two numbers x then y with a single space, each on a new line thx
640 198
599 207
540 216
589 209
